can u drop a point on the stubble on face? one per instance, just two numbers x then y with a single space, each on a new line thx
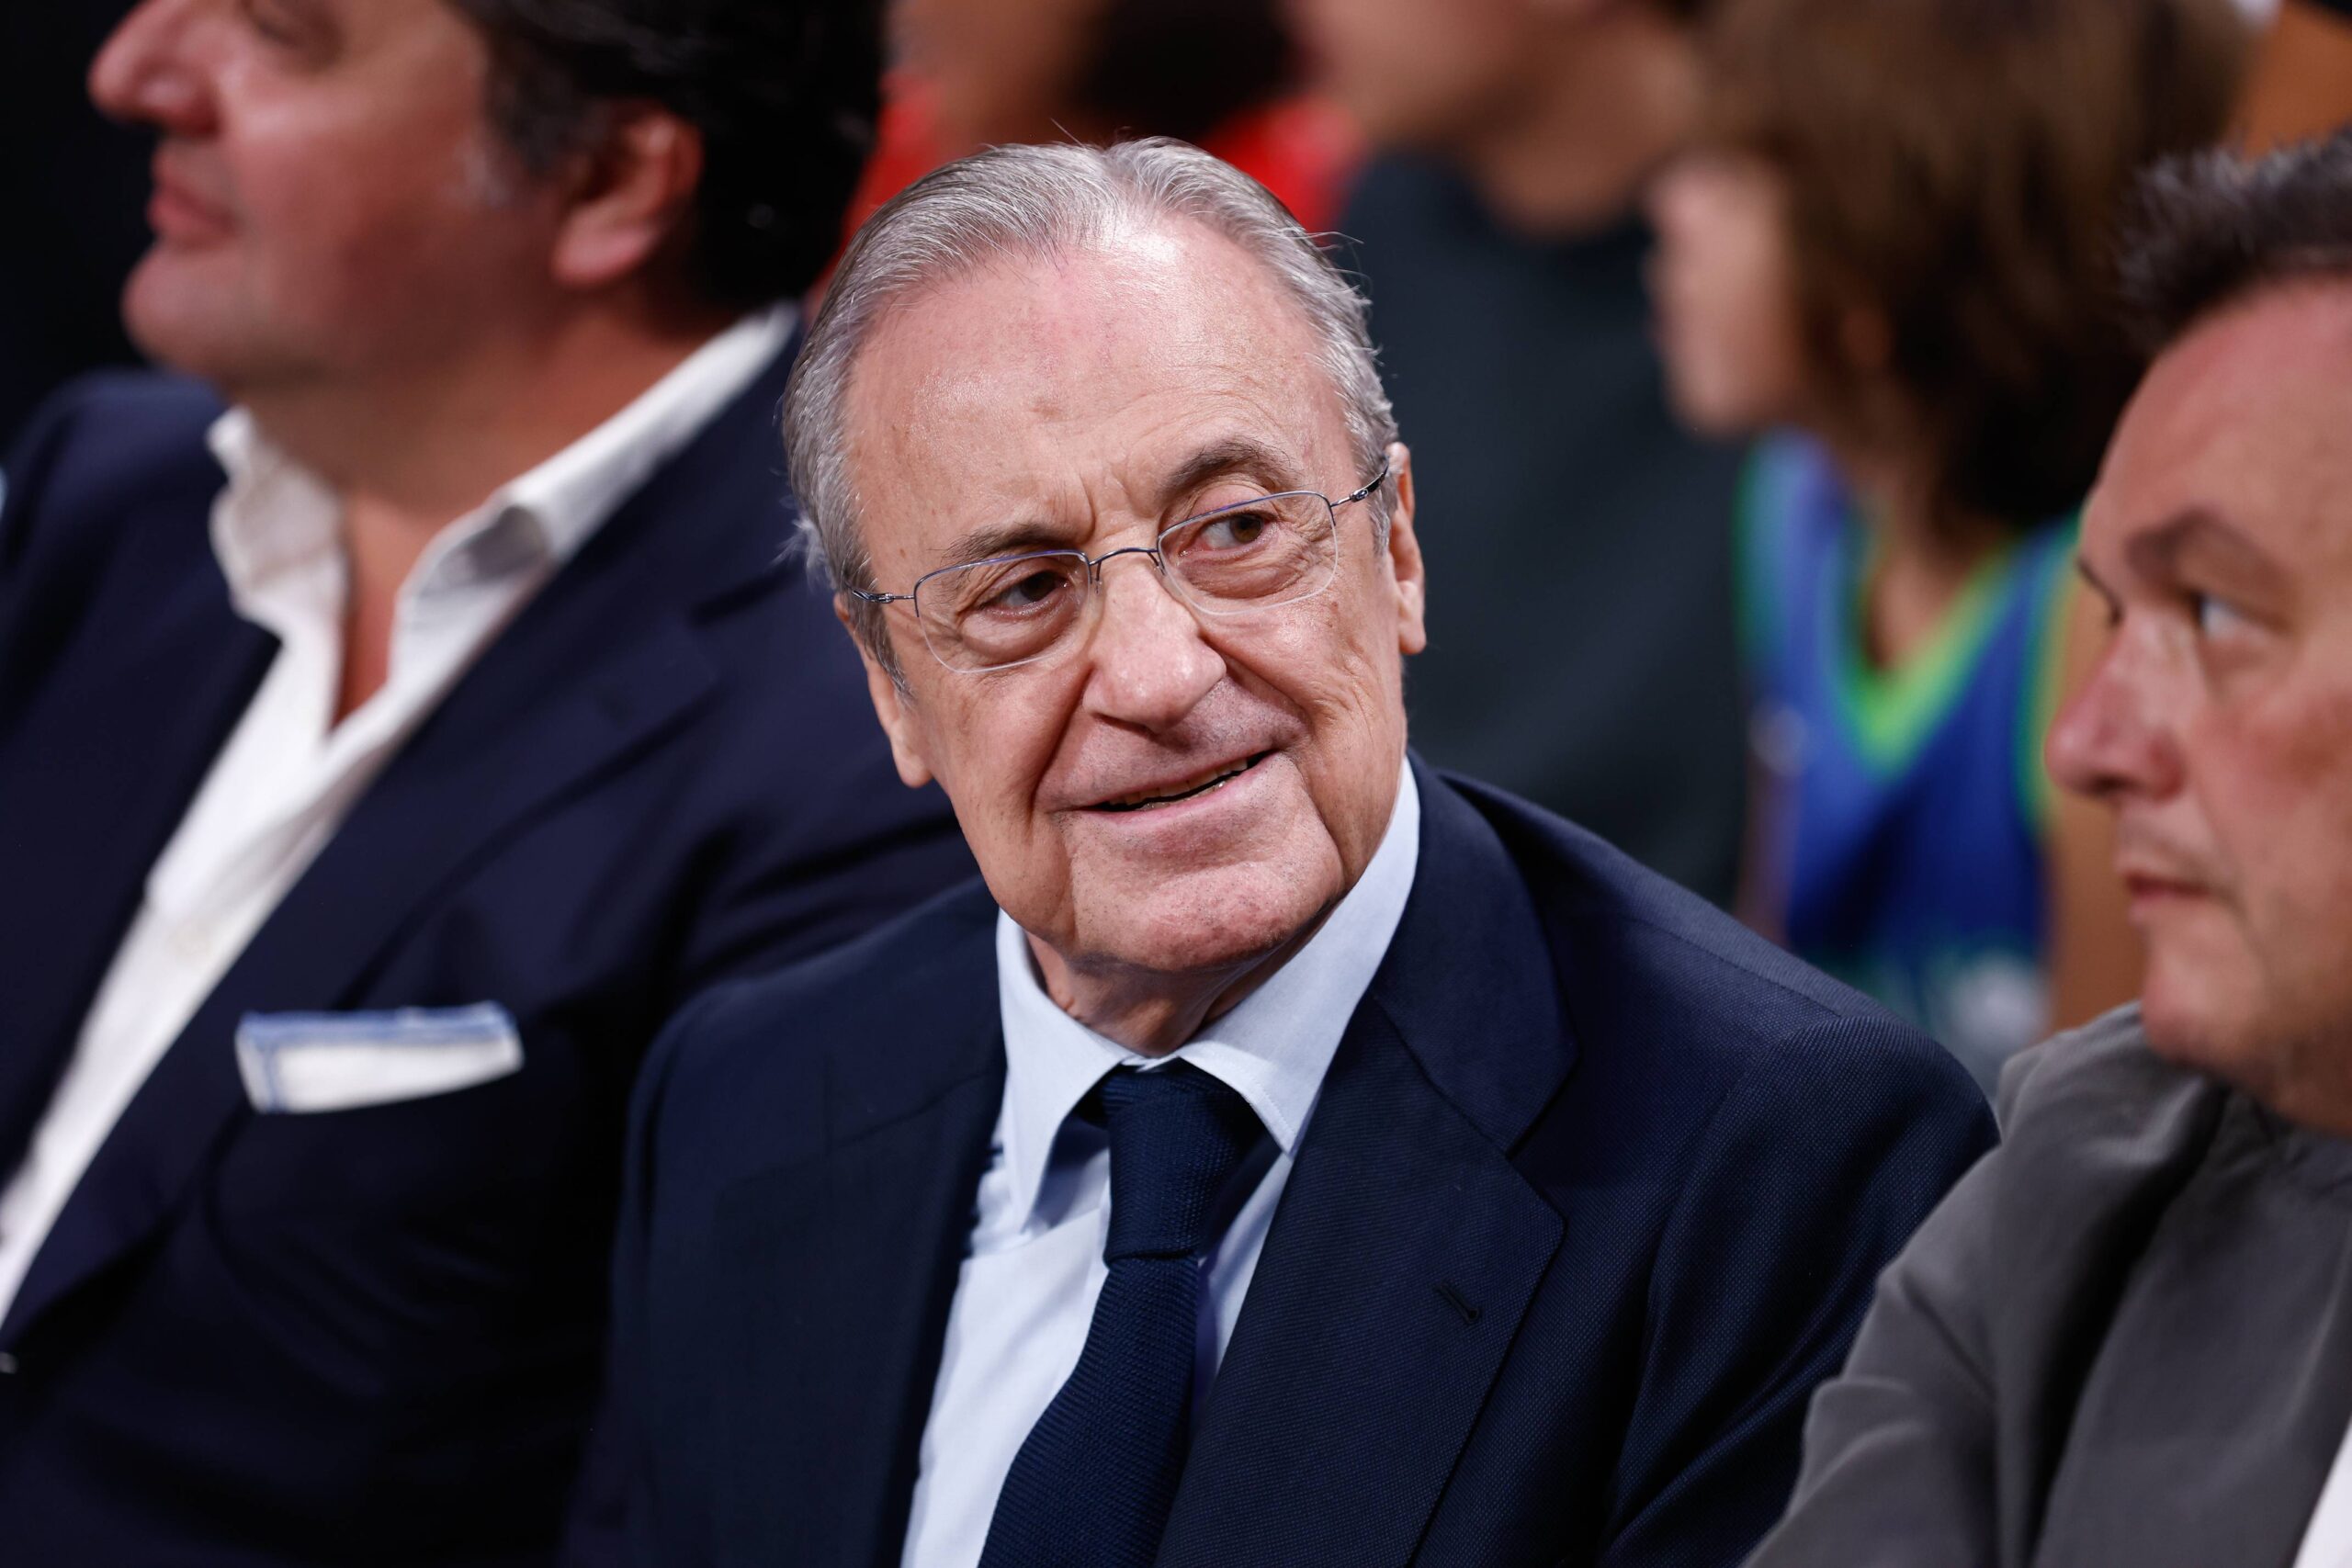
2220 524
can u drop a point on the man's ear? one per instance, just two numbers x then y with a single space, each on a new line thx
628 195
892 706
1405 556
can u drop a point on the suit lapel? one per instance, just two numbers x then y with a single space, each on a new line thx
603 663
840 1274
1407 1248
115 755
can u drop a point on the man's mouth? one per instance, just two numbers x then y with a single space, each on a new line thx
1168 795
2150 868
175 209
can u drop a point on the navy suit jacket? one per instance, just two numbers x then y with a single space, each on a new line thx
374 1335
1594 1196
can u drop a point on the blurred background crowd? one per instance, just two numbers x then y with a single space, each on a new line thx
1755 356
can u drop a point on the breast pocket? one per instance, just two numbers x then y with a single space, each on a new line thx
301 1063
440 1118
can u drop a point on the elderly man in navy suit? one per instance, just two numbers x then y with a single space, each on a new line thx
1289 1156
388 750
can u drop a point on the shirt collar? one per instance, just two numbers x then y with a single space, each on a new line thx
277 515
1274 1047
574 491
274 513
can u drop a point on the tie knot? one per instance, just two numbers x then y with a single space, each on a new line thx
1177 1134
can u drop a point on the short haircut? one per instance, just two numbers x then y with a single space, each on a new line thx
784 94
1042 202
2207 230
1958 167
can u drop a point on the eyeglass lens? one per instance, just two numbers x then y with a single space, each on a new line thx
1274 550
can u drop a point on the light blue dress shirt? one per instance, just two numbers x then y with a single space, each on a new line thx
1025 1293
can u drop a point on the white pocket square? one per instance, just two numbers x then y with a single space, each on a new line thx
336 1061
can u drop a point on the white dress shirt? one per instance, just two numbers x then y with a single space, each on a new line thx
1025 1293
2328 1541
290 772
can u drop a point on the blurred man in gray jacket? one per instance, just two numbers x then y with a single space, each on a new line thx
2127 1336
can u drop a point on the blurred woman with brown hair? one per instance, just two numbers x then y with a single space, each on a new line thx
1891 245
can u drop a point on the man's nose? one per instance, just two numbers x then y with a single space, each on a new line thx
2115 737
149 72
1151 666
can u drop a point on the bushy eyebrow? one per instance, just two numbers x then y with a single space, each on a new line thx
316 18
1230 456
990 540
2157 552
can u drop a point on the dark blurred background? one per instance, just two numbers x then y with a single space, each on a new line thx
74 188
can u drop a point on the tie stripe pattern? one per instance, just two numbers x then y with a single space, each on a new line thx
1094 1480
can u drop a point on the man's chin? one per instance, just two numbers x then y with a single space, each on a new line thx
176 317
2195 1021
1207 922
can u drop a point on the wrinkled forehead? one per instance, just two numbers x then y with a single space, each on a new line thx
2244 420
1070 388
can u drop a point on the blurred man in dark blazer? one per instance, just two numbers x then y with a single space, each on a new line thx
1289 1156
399 718
2127 1338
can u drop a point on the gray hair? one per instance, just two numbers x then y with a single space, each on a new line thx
1038 202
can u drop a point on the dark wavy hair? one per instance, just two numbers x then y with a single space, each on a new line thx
1958 166
784 94
2206 231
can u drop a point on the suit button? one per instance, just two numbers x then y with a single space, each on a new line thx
8 1366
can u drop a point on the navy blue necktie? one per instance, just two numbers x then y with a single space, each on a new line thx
1094 1480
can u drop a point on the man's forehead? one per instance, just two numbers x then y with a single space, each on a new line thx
2299 327
1131 356
2242 421
1144 306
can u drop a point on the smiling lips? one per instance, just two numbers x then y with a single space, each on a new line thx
1160 794
175 209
